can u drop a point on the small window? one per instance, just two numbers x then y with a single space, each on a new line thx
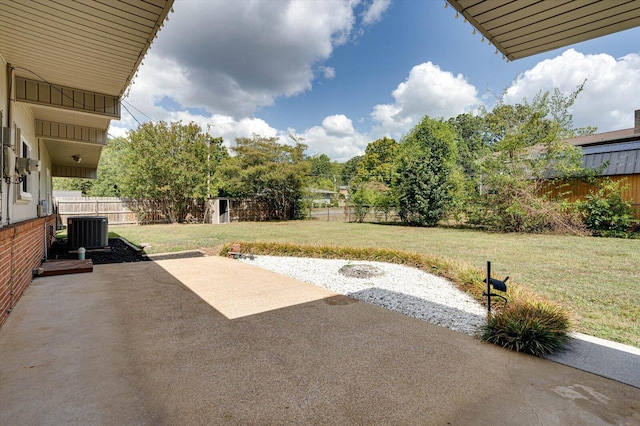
25 152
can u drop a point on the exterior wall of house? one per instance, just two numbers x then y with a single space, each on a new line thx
22 248
15 204
4 99
24 207
24 237
4 102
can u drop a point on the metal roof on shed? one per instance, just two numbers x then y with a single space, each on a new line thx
623 162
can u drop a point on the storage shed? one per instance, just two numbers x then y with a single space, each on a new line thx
619 153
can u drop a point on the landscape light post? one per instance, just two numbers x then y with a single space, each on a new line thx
497 285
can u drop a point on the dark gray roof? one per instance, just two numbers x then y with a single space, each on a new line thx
622 158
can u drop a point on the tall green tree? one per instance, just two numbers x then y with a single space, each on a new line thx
324 173
110 170
528 149
378 162
170 162
264 168
426 174
372 183
472 142
72 184
349 169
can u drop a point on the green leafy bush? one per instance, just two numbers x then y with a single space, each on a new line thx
528 324
604 210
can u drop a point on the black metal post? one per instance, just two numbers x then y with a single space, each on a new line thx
489 286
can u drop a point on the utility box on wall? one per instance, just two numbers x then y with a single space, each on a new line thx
90 232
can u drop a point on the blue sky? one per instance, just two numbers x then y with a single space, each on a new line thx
340 74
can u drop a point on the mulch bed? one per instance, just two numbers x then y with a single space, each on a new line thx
118 252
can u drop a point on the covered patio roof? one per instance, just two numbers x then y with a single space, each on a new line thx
71 62
524 28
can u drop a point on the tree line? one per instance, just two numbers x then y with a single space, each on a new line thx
491 169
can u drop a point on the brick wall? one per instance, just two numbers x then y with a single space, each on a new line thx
21 251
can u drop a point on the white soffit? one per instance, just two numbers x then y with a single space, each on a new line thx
85 44
521 28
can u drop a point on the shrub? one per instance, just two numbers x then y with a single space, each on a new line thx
604 210
521 210
528 324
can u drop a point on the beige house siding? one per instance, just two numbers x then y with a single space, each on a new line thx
23 119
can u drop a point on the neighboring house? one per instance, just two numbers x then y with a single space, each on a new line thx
321 196
344 191
61 194
620 152
64 67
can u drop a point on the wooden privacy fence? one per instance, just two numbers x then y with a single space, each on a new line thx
121 211
116 210
126 211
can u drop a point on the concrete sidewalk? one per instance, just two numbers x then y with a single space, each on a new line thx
214 341
602 357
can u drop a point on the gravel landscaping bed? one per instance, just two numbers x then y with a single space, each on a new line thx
400 288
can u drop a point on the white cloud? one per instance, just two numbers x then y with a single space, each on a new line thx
217 61
375 11
338 125
328 72
610 94
242 55
217 125
336 138
427 91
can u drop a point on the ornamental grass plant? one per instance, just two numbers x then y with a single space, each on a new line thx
529 324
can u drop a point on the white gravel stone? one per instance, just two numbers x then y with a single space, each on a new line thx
400 288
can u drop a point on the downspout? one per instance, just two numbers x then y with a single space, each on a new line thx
38 207
12 270
7 71
10 74
44 235
39 176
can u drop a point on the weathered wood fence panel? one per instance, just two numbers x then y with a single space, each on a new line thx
248 210
119 211
115 209
125 211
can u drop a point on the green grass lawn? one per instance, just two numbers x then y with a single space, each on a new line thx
597 279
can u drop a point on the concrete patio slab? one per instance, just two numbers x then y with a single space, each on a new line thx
133 344
217 282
